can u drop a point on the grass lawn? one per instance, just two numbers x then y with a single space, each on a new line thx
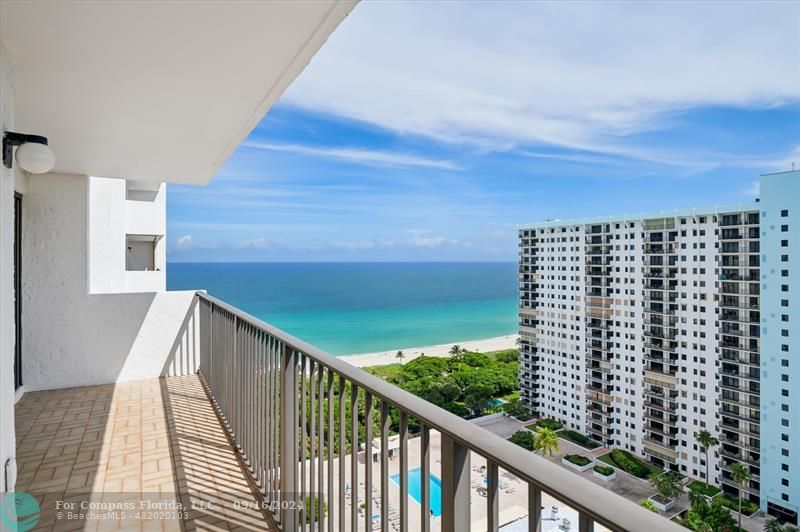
579 439
729 501
642 469
703 489
389 371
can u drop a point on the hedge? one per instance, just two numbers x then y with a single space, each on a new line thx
630 464
577 459
580 439
577 437
551 424
703 489
604 470
729 501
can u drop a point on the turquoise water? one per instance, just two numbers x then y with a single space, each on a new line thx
415 489
348 308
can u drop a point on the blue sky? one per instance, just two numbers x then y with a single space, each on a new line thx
428 131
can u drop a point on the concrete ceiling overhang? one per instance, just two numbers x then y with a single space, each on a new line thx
155 90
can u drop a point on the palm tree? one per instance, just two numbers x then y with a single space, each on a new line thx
706 441
456 349
546 440
740 474
667 485
400 356
773 525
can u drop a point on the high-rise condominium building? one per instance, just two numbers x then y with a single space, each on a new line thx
643 330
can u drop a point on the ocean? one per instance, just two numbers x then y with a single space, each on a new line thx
350 308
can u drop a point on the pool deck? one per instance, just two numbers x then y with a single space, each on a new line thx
513 494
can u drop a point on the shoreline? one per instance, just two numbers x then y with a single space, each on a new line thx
382 358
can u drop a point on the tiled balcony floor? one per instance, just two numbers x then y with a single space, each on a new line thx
150 440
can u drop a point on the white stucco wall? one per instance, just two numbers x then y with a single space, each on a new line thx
146 216
110 218
106 235
74 337
7 179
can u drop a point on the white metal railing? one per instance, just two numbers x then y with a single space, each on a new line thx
290 408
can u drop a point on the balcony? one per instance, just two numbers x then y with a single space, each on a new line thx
657 378
155 436
262 420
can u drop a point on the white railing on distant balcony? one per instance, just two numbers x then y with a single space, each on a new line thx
285 404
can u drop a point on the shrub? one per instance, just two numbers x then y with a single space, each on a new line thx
577 459
523 438
703 489
312 511
729 501
604 470
647 503
629 464
577 436
515 407
667 485
551 424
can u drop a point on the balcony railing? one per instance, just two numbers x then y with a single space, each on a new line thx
284 403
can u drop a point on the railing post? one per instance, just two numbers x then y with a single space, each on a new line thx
288 429
534 508
585 523
455 486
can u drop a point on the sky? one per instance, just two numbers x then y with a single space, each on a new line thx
429 131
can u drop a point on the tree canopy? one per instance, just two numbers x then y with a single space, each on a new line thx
463 383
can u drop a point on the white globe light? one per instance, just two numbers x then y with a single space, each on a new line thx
35 158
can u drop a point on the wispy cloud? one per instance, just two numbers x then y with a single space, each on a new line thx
357 155
498 75
184 242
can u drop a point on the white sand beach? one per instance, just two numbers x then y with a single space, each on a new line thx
443 350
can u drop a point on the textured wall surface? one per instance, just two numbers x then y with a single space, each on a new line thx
6 278
73 337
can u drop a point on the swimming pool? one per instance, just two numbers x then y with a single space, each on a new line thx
415 489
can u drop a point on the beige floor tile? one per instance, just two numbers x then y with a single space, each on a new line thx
158 436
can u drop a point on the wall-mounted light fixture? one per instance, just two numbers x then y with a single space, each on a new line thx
33 153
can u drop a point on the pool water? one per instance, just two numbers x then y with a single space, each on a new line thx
415 489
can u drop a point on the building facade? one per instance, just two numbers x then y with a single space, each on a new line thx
641 331
780 349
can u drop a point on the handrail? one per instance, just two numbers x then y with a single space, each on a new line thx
592 502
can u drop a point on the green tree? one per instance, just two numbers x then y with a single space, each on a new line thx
400 356
456 349
510 355
475 360
476 397
647 503
667 485
706 441
773 525
704 517
515 407
546 440
740 474
465 376
523 438
422 367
